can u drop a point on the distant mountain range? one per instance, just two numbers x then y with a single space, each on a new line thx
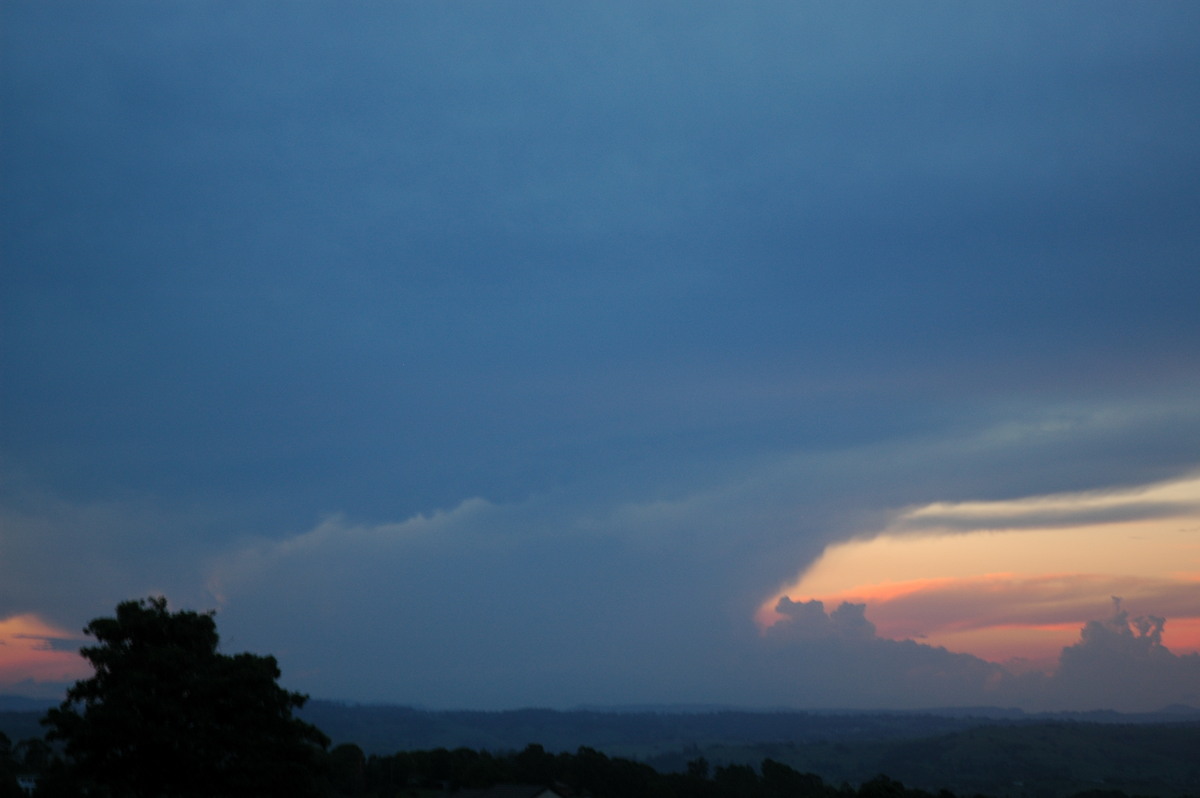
640 731
384 728
20 703
643 730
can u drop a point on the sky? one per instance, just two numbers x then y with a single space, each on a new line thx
489 356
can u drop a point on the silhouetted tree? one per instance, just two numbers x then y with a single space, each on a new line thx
535 766
781 781
882 787
698 768
8 769
167 715
347 769
737 781
32 755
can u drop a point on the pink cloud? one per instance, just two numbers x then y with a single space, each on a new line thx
32 650
1003 616
1120 662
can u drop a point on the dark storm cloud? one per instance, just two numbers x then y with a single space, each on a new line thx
667 297
807 620
835 659
359 220
1122 663
1119 663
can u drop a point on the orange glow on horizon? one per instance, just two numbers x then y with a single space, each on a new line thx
1018 580
27 652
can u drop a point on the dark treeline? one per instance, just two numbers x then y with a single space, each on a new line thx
588 772
345 771
969 755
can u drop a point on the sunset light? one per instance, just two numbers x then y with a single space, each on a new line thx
1016 580
33 650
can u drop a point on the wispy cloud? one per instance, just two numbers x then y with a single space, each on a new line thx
1177 499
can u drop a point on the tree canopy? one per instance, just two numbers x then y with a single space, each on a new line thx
166 714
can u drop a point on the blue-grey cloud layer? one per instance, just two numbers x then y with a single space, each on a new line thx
783 263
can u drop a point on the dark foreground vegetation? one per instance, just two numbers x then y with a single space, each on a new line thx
346 772
167 715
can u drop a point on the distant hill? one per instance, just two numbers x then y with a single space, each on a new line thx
21 703
643 731
386 729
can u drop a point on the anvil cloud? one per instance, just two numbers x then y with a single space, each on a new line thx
509 355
